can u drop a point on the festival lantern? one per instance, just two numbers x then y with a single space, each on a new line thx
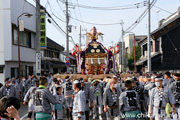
111 49
76 48
73 52
117 48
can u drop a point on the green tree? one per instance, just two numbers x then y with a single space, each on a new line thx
130 57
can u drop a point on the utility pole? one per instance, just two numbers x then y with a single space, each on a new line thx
80 38
149 37
38 31
122 39
67 32
134 53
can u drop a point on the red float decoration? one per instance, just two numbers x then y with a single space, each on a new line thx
76 48
110 49
117 48
87 67
73 52
103 66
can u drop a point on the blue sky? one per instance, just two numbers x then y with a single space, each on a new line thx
111 33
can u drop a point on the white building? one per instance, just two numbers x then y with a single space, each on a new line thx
118 58
9 12
129 43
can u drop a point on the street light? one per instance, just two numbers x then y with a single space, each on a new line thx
28 15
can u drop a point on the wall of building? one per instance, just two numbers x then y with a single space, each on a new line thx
9 12
26 54
129 43
4 35
20 6
17 8
170 56
12 64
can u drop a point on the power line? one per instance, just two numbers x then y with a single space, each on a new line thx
54 10
59 27
140 18
42 7
64 14
136 5
55 22
163 9
60 6
95 23
58 18
46 5
107 9
75 17
80 13
129 29
172 42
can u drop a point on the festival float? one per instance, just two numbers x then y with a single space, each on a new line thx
94 59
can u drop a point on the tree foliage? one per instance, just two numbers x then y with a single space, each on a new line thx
130 57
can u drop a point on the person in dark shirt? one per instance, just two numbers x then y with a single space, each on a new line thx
1 85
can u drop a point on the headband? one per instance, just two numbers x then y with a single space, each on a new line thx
93 81
68 78
158 79
76 82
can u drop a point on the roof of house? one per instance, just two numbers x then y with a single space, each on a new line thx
140 37
167 24
144 59
53 45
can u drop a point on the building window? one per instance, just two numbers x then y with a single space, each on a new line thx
15 36
47 53
24 37
30 70
56 55
1 69
14 72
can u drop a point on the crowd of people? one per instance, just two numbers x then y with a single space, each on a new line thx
149 96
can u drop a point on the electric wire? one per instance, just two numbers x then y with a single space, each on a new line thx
64 14
163 9
80 14
136 5
61 30
171 42
140 18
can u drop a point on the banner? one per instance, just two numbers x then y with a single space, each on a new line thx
38 64
43 29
